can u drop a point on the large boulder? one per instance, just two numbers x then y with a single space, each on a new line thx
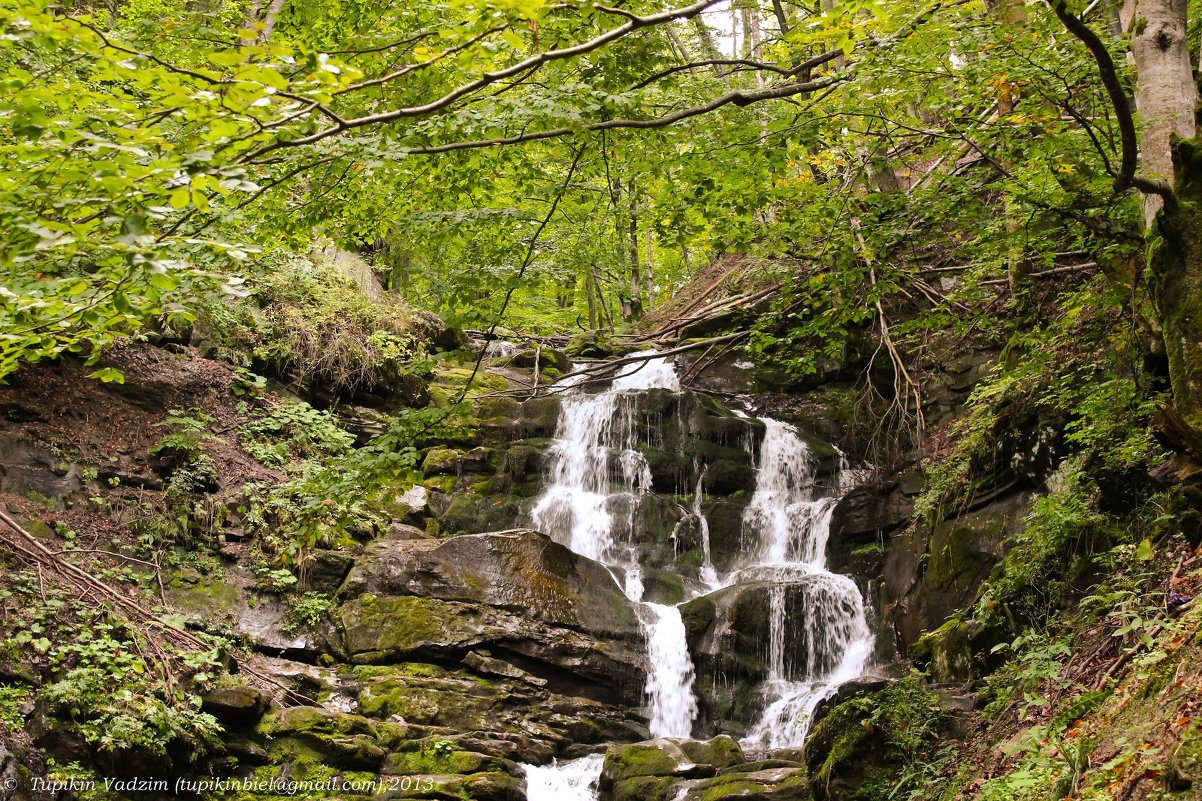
519 569
769 782
653 769
519 595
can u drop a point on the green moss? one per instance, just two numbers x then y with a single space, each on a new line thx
384 699
426 760
442 460
872 745
395 625
643 788
443 484
311 735
946 652
629 761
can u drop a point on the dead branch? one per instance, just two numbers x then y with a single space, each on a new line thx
31 550
903 383
603 372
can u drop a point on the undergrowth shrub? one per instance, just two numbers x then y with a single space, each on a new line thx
315 326
122 693
279 434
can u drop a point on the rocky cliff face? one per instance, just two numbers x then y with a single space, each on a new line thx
458 643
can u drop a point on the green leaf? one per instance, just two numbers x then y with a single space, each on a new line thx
109 375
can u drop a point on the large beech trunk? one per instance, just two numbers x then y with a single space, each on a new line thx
1165 95
1176 265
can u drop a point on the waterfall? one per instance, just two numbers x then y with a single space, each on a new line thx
818 635
707 573
564 781
789 527
593 464
670 682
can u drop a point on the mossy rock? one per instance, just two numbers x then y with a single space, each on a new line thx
235 706
547 358
861 748
623 762
474 514
444 484
442 461
310 734
490 786
426 759
644 788
404 627
663 587
770 784
721 752
454 700
522 461
947 653
590 345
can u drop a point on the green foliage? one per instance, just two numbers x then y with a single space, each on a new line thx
348 493
277 434
191 432
1074 375
12 700
1058 538
1030 674
309 609
316 326
893 731
100 678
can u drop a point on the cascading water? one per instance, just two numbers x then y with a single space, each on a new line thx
818 633
593 429
790 528
564 781
594 432
670 681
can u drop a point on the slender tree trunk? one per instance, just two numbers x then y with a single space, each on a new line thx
782 19
589 280
649 273
1165 94
636 281
1011 14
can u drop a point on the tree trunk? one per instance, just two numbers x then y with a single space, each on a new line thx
649 273
636 281
1176 266
1165 94
592 303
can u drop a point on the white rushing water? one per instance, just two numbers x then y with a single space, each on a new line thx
790 525
595 471
670 680
818 633
564 781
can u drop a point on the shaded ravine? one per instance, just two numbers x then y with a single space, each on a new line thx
597 477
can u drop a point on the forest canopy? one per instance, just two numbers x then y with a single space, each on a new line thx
587 159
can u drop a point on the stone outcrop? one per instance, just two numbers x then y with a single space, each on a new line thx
519 595
668 769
